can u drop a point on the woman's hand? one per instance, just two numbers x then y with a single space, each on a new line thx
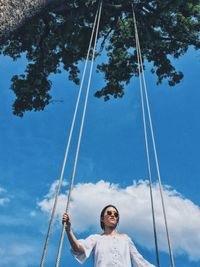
66 221
72 238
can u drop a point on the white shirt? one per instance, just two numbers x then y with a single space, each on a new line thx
111 251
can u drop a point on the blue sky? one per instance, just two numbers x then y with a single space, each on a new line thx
111 167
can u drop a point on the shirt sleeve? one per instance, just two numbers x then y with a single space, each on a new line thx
136 258
88 245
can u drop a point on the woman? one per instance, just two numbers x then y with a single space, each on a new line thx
110 248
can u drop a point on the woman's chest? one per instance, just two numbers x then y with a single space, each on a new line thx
112 251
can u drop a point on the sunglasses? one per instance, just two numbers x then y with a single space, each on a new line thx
109 213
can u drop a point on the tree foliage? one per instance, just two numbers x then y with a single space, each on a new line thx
59 36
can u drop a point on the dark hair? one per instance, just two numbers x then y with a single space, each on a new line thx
102 215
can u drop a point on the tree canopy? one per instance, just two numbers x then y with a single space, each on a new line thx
58 37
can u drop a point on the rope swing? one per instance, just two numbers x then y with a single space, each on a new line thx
144 99
69 139
146 139
143 85
80 133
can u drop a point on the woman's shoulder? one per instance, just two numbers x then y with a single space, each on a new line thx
123 235
94 236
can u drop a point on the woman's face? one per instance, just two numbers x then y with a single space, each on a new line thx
110 217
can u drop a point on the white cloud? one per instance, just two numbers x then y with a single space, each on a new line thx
54 186
133 203
3 200
33 213
2 189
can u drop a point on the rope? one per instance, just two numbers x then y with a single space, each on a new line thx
154 147
67 148
147 145
80 134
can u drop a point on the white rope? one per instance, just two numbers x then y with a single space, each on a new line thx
80 135
67 148
155 151
146 144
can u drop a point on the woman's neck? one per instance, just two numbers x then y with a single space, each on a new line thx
109 231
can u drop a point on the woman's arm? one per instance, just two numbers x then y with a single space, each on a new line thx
76 246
